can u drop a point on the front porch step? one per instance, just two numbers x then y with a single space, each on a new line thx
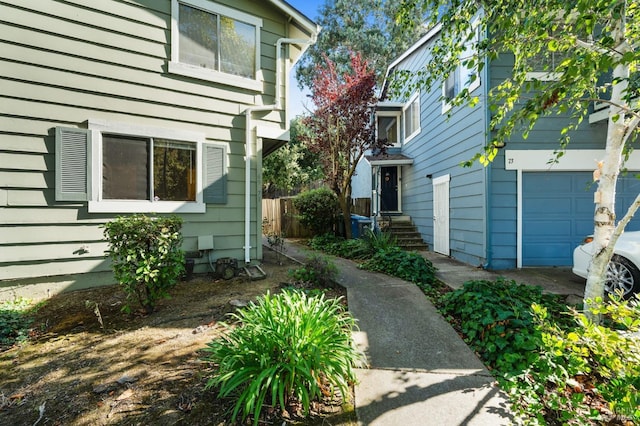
405 232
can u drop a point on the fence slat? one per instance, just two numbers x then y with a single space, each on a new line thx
279 215
361 206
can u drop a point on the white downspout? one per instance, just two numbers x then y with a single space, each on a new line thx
249 140
247 177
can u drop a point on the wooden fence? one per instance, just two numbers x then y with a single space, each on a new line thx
279 215
361 206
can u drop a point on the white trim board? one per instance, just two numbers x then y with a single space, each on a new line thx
572 160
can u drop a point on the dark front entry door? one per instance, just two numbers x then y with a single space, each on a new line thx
389 189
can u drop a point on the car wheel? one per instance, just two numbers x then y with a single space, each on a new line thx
622 277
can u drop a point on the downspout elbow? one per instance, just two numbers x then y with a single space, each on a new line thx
279 65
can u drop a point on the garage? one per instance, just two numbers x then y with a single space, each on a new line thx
557 213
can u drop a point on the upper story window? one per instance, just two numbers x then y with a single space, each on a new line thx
411 117
464 76
214 42
124 168
387 125
543 64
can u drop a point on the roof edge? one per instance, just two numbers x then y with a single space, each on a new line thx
411 50
298 16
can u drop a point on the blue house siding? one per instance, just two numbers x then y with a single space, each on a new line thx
546 133
504 227
499 214
503 213
438 151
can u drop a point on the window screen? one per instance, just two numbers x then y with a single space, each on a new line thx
216 42
125 168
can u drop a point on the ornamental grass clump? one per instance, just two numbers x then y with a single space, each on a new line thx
287 349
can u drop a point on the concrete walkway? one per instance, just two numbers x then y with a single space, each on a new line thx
420 371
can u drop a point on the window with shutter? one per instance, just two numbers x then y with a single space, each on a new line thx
124 168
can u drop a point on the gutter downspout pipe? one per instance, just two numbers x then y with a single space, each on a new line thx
277 105
488 186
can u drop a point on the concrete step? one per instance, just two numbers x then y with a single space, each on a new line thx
401 233
405 232
414 247
408 241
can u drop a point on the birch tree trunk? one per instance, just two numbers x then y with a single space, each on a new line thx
605 217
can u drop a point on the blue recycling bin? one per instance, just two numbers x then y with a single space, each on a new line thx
358 225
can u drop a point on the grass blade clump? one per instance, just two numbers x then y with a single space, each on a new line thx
288 348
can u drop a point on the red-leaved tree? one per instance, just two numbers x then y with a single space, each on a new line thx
341 128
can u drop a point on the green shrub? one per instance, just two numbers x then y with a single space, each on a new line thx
317 209
15 320
557 368
588 373
496 321
287 348
317 270
325 242
409 266
381 254
334 245
146 256
350 249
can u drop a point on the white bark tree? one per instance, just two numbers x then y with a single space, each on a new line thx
598 43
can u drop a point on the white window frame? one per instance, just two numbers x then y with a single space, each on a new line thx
543 75
458 73
414 100
396 115
99 205
188 70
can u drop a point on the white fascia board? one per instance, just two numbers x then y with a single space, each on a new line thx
407 162
572 160
270 132
300 18
391 104
417 45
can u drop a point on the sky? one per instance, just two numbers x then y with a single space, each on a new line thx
297 99
307 7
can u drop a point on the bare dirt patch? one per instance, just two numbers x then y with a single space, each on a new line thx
87 363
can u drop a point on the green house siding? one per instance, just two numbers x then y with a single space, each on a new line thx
64 65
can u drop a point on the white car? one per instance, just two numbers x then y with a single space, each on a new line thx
623 273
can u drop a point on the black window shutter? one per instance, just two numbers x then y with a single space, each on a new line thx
73 164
